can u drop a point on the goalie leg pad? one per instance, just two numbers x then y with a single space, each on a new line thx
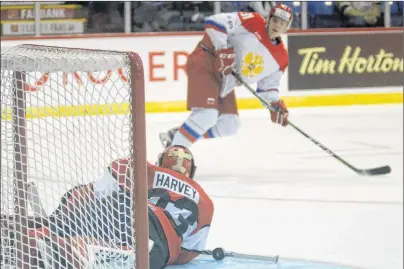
107 219
47 250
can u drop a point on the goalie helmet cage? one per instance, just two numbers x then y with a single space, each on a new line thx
25 117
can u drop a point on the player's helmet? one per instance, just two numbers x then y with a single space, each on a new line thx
179 159
283 12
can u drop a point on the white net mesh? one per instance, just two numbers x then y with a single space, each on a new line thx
65 116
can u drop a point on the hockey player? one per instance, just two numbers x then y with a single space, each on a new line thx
98 214
243 42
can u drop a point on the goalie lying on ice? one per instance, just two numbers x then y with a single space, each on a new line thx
94 225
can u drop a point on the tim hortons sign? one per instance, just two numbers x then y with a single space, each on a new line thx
349 60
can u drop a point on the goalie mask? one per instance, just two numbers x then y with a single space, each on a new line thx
179 159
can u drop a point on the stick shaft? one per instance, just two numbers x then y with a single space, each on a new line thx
291 124
255 257
244 256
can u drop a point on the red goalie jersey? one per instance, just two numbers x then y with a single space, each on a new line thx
183 208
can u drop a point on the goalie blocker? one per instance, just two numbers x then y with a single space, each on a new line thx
96 216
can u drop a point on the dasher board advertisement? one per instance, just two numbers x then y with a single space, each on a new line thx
27 12
345 60
48 27
19 20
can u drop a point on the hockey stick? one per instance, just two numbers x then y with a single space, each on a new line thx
365 172
219 254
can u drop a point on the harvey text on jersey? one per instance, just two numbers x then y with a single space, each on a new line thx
171 183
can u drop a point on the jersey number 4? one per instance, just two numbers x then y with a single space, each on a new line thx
186 211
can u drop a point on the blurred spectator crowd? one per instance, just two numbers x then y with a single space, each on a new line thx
189 16
156 16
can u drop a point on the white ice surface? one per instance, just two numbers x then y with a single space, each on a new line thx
277 193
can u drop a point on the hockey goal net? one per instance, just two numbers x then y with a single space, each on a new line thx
66 114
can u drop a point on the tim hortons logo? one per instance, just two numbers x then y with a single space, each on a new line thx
351 62
252 64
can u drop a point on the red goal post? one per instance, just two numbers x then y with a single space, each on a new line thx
84 129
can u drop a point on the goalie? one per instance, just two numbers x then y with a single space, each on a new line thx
97 215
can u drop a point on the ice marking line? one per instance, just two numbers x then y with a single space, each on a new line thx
310 200
371 145
363 154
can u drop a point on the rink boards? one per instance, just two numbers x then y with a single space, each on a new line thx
348 74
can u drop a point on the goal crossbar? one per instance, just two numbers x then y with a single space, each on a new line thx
55 59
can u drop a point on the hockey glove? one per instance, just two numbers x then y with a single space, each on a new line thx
281 114
224 62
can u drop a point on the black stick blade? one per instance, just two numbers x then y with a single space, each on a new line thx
383 170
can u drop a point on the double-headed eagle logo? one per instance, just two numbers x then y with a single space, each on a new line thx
252 65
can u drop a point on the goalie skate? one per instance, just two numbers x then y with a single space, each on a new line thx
167 138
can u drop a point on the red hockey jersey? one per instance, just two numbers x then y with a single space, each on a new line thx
184 209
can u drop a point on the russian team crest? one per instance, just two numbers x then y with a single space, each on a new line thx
252 65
